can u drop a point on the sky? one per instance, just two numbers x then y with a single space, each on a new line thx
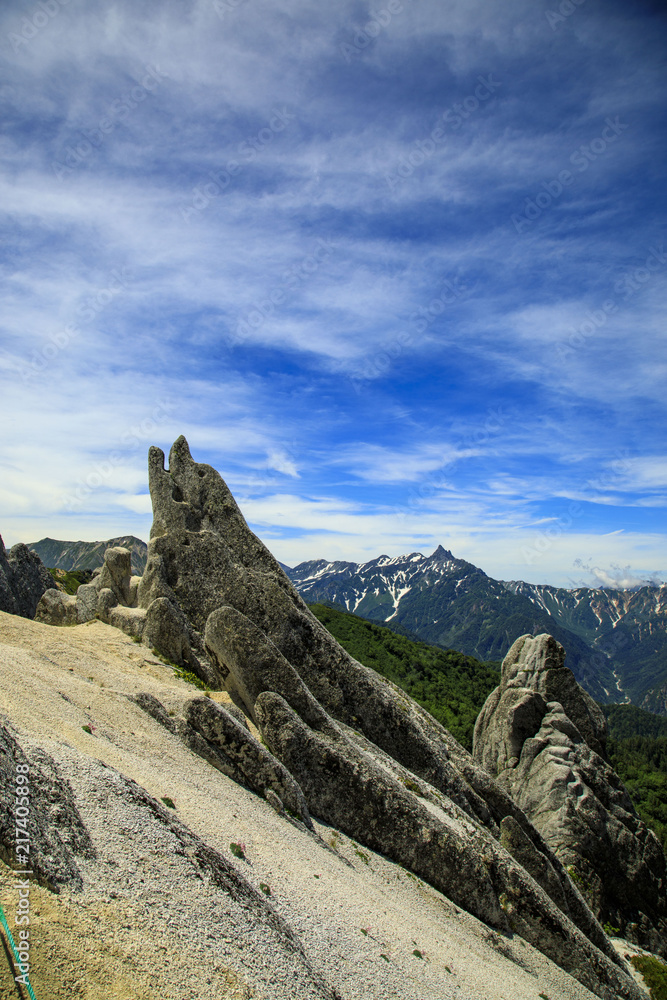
396 270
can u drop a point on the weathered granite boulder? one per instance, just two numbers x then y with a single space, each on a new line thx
261 770
56 608
215 733
116 573
23 580
109 589
168 631
543 739
192 739
87 597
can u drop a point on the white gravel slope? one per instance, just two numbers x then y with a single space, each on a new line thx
147 924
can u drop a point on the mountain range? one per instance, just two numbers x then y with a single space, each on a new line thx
616 640
87 555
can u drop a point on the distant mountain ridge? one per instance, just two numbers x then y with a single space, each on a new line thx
616 641
628 626
87 555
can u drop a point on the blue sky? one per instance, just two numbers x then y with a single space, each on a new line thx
397 271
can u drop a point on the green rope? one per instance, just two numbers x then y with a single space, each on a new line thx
3 921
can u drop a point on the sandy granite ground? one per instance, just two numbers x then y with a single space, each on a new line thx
149 924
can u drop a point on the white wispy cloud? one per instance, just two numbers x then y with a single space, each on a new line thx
308 320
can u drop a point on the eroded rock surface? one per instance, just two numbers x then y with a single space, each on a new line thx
55 831
23 580
543 739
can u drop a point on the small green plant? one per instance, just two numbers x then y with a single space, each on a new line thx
188 676
168 802
238 850
136 638
654 973
578 879
87 729
417 953
265 888
447 969
384 957
165 659
364 857
364 931
611 931
543 996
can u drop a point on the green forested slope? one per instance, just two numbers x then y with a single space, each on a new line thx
450 685
637 749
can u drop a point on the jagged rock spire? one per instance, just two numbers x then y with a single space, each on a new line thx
543 738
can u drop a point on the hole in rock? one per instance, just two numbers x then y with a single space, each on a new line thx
177 494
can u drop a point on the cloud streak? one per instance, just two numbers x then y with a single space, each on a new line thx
198 217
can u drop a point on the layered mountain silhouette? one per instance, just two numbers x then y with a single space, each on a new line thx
616 641
58 554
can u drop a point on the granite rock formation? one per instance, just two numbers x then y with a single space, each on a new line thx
544 741
341 742
23 580
215 734
353 784
112 596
